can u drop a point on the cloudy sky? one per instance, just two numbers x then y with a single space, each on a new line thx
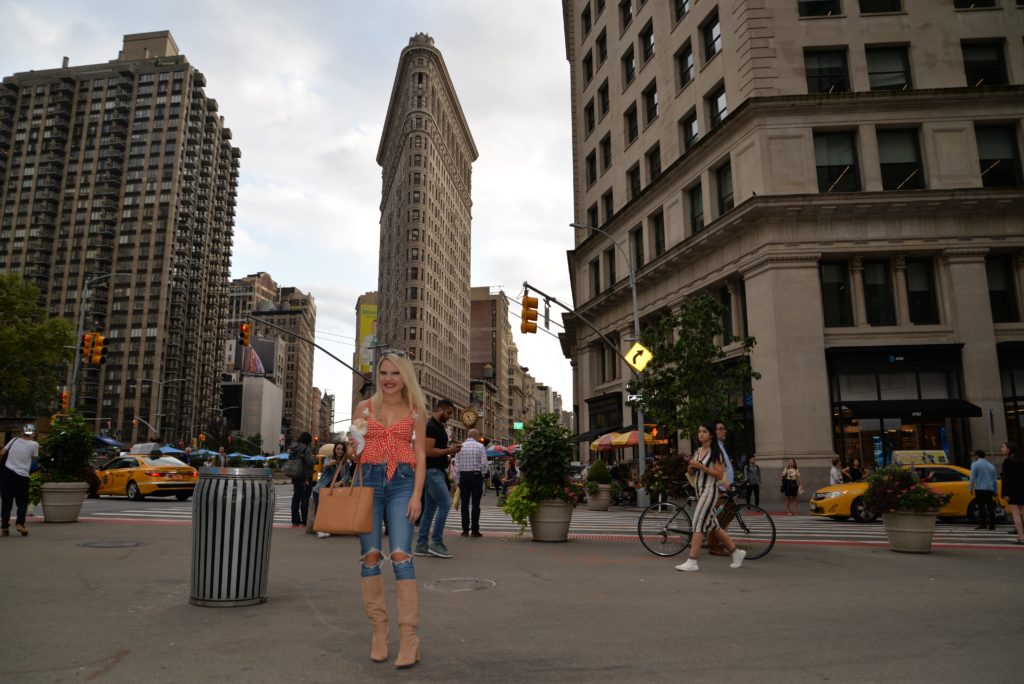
304 87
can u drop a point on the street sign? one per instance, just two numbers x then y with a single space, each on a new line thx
517 425
639 356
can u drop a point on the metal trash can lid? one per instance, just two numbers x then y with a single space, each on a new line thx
211 473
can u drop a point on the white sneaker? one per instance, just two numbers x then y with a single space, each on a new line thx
322 535
737 558
689 566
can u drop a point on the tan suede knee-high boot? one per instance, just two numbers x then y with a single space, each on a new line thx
408 619
377 611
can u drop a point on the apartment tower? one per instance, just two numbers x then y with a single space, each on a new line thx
426 153
117 197
845 176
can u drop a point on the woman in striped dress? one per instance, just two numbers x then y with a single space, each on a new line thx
709 465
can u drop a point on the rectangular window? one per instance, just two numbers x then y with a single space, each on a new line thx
725 297
900 160
874 6
628 66
589 120
658 233
588 67
606 152
689 131
723 186
835 156
818 8
696 198
835 294
647 42
595 278
632 124
878 302
888 68
684 65
608 205
603 102
826 71
718 109
653 157
633 181
711 32
680 8
1001 291
984 64
625 14
593 218
921 298
609 264
586 21
636 244
651 103
591 168
601 45
999 156
973 4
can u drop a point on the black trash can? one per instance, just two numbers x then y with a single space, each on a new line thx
232 517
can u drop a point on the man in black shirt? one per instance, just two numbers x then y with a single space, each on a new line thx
436 499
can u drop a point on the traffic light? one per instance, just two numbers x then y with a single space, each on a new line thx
65 401
87 340
529 315
98 357
244 333
202 437
135 422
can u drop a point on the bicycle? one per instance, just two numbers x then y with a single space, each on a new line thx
665 528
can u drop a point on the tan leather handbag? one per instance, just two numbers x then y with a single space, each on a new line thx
345 510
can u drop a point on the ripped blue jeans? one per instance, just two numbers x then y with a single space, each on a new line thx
390 498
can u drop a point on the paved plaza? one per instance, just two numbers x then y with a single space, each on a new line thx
118 611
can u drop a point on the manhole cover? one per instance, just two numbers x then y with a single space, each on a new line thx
111 544
453 584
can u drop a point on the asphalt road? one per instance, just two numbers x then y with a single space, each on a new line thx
588 609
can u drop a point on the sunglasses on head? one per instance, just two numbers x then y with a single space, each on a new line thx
392 352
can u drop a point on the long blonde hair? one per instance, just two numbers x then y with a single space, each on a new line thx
411 390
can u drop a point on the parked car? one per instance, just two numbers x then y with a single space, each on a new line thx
138 476
842 501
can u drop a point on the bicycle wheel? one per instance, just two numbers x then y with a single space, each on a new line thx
665 529
753 530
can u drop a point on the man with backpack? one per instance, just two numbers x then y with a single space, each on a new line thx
301 473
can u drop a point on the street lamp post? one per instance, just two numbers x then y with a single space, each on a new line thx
160 398
81 329
641 438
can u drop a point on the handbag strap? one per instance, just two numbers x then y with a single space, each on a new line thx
341 466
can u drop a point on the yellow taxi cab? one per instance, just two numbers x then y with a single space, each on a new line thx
846 500
140 475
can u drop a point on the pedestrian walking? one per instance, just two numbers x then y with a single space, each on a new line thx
15 465
752 473
436 498
725 515
393 462
791 487
471 462
302 487
710 467
1013 487
835 475
983 485
221 460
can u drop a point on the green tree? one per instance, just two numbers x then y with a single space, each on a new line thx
689 380
35 350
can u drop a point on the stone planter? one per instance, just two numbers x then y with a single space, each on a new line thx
62 501
600 501
551 521
909 531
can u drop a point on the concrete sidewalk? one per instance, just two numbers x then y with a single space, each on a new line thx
585 609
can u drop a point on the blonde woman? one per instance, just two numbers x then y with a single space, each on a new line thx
393 462
792 485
